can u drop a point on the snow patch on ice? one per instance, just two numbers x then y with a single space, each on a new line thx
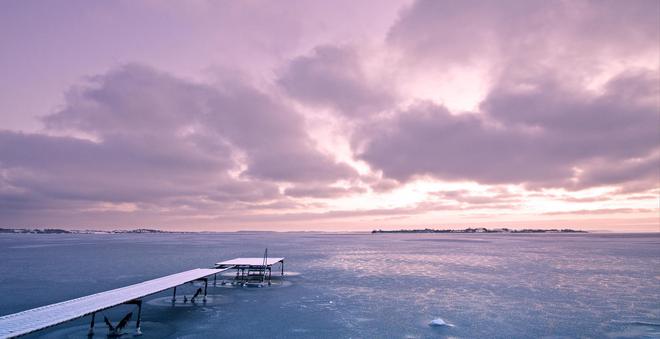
440 322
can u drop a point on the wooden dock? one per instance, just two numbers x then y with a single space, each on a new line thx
29 321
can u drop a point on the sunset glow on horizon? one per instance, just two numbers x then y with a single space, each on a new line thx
330 116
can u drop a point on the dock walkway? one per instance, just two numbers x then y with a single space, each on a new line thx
35 319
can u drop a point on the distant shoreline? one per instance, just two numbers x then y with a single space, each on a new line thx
63 231
7 230
150 231
482 230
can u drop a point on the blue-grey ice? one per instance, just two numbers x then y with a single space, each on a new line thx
352 285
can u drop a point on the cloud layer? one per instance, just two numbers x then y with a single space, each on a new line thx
356 128
542 134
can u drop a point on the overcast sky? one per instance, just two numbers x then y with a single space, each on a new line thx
330 115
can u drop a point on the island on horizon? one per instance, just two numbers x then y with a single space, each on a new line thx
156 231
63 231
481 230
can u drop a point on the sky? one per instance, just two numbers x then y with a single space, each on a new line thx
330 115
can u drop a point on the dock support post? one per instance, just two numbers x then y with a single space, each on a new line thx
282 268
206 285
91 326
137 324
138 303
214 279
174 295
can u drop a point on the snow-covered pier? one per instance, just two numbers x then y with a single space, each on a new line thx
251 271
29 321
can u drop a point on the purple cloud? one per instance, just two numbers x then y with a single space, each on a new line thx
160 139
264 112
151 109
536 136
524 34
334 77
322 191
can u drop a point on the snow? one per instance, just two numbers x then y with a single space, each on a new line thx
37 318
439 322
487 285
248 262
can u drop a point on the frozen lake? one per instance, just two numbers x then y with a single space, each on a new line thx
355 285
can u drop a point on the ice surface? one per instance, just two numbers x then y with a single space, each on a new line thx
357 285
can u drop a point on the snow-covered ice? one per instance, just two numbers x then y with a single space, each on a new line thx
355 285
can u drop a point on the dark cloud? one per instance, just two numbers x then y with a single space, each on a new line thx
539 124
469 198
272 136
155 110
322 191
282 204
540 136
334 77
566 103
428 140
525 33
632 171
113 170
601 211
327 215
149 137
384 185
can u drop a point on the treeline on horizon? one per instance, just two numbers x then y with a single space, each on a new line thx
481 230
62 231
425 230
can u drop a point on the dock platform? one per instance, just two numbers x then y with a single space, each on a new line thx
17 324
252 271
29 321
